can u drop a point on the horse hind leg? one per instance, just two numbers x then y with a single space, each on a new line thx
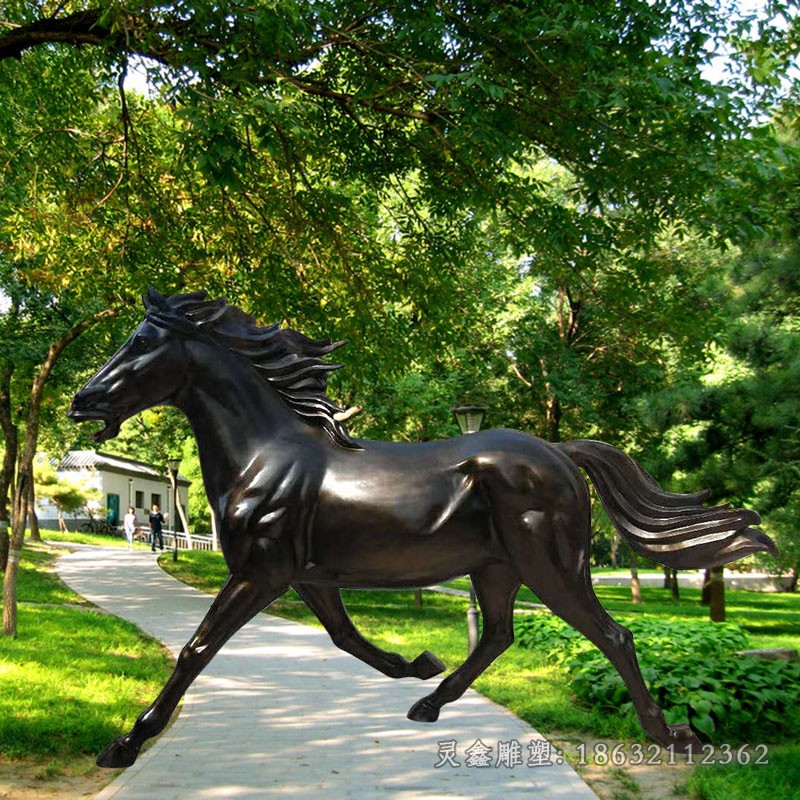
326 603
496 589
569 594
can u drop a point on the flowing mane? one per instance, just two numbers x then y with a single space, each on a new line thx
288 360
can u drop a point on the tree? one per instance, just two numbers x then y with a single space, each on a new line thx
589 335
25 471
734 428
455 94
39 320
741 439
66 496
339 166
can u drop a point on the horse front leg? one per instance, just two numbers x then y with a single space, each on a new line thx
326 603
238 601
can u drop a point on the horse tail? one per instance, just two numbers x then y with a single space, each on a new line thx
674 529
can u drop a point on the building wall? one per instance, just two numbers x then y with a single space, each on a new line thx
152 491
126 488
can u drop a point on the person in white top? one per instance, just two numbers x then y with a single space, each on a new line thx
129 525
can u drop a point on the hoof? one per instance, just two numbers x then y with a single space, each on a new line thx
117 754
683 740
426 665
424 711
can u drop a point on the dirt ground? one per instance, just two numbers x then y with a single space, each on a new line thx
628 781
21 780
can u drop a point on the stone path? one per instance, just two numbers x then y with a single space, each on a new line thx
281 712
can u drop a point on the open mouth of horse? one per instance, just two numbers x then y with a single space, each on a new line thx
108 431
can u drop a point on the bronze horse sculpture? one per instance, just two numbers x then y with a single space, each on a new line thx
301 504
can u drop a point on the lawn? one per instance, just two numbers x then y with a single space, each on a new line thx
772 619
538 691
100 539
73 677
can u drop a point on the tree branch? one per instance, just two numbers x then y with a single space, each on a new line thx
347 99
76 29
84 28
515 369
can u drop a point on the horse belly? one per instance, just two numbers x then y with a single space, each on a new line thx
398 547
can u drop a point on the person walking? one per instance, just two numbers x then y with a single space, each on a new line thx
129 525
156 523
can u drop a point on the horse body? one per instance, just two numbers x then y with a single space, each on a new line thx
299 503
411 527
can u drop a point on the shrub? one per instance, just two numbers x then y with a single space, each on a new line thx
691 670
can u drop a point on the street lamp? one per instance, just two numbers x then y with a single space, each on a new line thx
470 419
173 464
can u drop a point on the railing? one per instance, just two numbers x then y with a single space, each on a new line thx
196 541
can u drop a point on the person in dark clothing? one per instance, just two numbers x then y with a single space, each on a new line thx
156 521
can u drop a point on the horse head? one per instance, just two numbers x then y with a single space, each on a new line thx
148 370
185 337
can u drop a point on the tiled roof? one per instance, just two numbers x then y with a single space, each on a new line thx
90 459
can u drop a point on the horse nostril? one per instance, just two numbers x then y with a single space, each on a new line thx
84 397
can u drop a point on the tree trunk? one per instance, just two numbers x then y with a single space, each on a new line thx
12 568
792 587
9 459
182 514
614 548
417 598
176 496
636 589
62 525
553 420
676 594
716 606
25 469
705 592
5 542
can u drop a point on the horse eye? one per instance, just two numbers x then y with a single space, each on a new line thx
142 344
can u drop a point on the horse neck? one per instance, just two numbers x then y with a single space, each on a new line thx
234 415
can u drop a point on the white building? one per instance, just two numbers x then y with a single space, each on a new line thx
122 482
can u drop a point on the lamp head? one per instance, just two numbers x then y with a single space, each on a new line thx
469 418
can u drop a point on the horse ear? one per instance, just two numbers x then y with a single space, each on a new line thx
153 301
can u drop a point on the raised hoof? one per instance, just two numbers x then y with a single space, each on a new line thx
683 740
117 754
424 711
426 665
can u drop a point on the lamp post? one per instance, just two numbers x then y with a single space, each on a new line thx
130 504
173 464
470 419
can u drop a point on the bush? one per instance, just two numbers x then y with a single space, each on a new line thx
690 669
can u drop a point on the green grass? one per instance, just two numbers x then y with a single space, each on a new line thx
772 619
100 539
73 678
38 583
779 779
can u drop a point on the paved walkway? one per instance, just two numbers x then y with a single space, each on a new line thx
281 712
